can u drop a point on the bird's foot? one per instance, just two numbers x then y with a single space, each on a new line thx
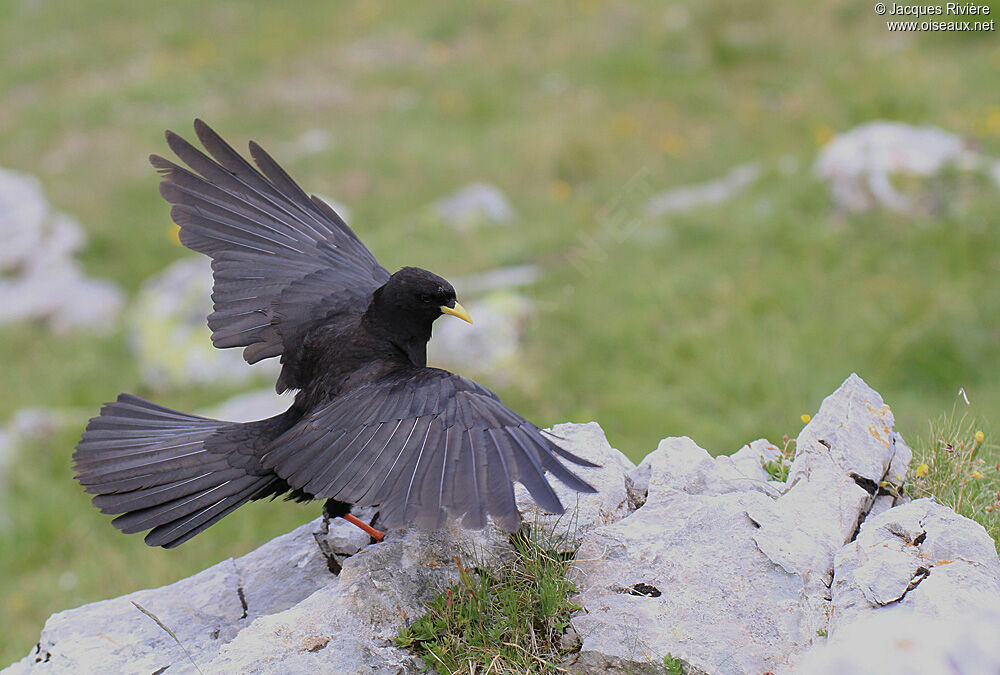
377 535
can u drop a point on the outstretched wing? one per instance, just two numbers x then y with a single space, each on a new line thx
280 258
424 444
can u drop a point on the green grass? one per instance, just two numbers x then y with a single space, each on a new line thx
724 323
499 620
958 464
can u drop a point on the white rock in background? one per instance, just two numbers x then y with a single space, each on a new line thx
475 204
501 278
169 333
492 345
895 640
251 406
703 194
29 424
858 164
39 277
342 209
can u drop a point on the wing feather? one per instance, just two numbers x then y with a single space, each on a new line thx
280 258
423 444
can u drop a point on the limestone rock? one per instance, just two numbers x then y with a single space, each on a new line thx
858 164
250 406
475 204
204 611
706 559
683 575
501 278
614 499
721 568
490 347
895 640
922 557
282 609
39 275
169 332
349 624
703 194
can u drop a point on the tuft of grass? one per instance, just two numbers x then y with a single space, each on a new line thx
958 464
505 620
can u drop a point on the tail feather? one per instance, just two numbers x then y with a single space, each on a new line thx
165 470
180 530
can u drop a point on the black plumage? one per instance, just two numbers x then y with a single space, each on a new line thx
371 423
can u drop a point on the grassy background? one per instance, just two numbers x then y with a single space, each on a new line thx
724 323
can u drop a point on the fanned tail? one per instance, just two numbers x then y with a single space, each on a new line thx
166 471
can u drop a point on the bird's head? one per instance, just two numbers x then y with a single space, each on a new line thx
413 298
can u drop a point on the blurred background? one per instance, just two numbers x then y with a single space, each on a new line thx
691 218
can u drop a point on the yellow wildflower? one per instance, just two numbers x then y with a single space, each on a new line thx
923 470
976 474
824 134
560 191
805 419
980 436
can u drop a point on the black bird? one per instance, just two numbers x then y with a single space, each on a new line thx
371 423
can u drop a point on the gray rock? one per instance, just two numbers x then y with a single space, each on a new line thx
169 333
491 347
614 499
858 164
750 459
921 557
723 568
39 277
683 575
501 278
703 194
204 611
280 608
702 558
895 640
349 625
842 455
475 204
250 406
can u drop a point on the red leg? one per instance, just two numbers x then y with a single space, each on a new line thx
377 535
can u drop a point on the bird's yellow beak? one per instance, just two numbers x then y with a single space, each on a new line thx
458 311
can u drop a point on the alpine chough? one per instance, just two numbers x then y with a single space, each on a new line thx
371 424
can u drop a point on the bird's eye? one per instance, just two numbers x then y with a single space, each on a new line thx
425 297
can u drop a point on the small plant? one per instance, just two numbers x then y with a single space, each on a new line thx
672 665
778 469
958 465
507 620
